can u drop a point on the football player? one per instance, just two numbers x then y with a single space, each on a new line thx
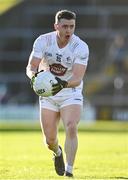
66 56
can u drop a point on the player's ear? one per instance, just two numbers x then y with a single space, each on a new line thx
55 26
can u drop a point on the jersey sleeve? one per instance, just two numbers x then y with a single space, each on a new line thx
38 48
82 54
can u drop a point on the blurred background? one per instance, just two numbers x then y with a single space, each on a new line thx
101 23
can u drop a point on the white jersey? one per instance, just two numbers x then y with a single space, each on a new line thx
60 60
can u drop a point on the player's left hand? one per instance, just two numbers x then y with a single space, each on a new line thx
59 86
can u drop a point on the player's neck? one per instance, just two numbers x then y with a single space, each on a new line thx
61 42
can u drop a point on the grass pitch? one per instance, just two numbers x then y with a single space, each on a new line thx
101 155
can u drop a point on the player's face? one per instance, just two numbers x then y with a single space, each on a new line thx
65 28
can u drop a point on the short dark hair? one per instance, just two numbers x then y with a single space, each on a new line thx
64 14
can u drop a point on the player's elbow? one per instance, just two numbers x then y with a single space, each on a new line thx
78 82
28 72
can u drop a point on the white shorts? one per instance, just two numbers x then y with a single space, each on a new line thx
57 102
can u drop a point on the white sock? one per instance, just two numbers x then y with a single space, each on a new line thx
58 153
68 168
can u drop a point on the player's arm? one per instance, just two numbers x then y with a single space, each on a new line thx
79 67
78 74
35 57
32 67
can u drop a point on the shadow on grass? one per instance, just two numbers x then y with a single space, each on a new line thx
118 177
122 177
105 178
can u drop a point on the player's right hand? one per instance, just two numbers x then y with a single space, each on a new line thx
33 78
32 81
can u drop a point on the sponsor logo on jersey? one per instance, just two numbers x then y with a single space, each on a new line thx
58 69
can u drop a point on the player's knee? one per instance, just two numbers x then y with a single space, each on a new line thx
71 129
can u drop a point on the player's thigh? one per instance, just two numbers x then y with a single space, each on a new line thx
71 114
49 121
